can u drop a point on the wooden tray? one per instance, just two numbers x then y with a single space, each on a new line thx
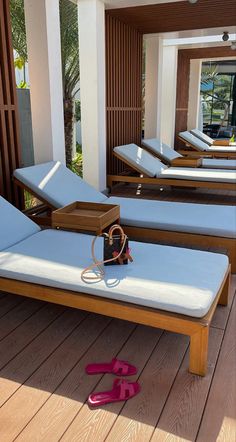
186 162
86 216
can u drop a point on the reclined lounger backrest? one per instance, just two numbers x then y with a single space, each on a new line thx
57 184
161 149
140 159
203 137
14 225
194 141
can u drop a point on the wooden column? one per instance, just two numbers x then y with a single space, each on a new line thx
9 131
123 88
182 93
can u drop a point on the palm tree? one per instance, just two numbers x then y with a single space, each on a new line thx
233 117
69 56
70 68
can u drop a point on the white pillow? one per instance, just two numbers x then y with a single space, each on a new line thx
14 225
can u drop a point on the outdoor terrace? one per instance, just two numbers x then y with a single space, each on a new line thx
44 349
43 387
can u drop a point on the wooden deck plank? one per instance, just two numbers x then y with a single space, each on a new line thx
50 404
95 424
219 419
8 303
182 195
183 410
14 318
56 415
30 397
19 369
14 343
139 416
222 312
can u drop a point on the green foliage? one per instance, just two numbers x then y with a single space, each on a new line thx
18 28
209 75
69 47
69 56
77 110
19 63
22 85
77 162
29 200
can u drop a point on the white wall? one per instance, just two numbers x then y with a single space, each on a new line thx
44 54
92 91
153 86
168 101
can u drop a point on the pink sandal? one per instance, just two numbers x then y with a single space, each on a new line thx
117 367
121 391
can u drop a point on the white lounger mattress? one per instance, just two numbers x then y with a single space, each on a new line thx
198 174
167 278
178 217
201 145
59 186
168 154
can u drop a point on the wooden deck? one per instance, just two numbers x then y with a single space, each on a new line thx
43 387
200 196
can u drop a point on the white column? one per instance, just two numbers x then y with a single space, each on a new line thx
194 93
44 54
92 90
153 86
168 101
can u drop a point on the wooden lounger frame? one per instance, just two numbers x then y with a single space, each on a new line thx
141 178
185 154
197 329
204 242
203 153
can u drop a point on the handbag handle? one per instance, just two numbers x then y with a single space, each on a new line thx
98 264
112 229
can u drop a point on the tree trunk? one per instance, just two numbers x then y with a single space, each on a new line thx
69 127
233 117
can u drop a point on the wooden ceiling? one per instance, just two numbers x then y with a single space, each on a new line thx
208 53
178 16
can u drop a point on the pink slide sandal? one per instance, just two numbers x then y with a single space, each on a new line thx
121 391
117 367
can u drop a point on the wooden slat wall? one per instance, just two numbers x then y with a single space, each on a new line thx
123 88
9 132
183 77
182 96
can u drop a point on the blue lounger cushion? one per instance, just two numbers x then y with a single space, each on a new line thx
216 220
173 279
14 226
167 154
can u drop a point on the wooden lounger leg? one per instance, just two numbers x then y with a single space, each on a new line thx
223 300
199 351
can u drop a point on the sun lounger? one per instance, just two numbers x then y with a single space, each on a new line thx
198 145
167 155
198 225
208 140
155 172
166 287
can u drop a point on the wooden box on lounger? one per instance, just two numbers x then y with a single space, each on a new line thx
86 216
186 162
